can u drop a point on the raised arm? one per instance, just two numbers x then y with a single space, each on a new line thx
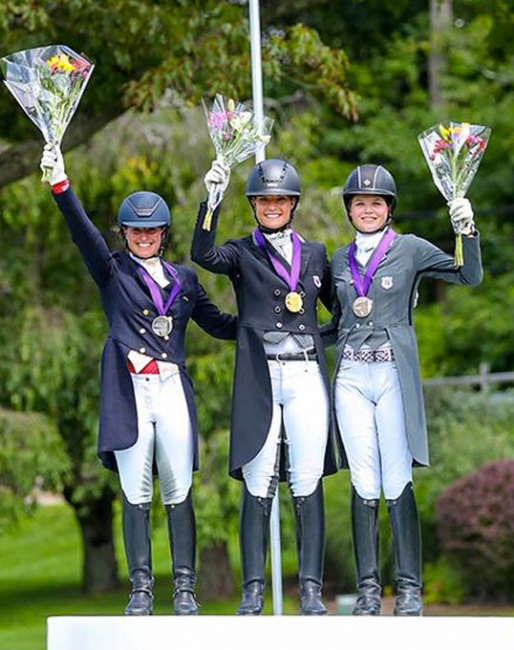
85 235
204 252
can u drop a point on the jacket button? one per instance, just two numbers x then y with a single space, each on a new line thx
277 292
164 355
142 331
301 327
279 325
277 309
142 350
145 312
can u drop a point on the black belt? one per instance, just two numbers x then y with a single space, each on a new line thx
307 355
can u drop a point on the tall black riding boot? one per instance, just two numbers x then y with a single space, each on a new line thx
182 534
310 537
138 550
253 545
365 548
403 516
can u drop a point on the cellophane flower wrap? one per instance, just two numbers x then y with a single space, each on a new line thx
453 154
236 135
48 83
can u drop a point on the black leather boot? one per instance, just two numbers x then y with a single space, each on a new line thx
182 534
310 537
253 544
365 548
403 516
136 537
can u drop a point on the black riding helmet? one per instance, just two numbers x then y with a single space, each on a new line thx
370 179
274 177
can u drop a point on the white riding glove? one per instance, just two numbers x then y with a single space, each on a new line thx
461 216
218 177
52 163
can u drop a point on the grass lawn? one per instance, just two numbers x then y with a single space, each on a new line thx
40 576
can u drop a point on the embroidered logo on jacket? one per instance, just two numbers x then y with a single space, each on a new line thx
387 282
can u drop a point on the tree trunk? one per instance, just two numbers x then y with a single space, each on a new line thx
99 565
215 579
440 19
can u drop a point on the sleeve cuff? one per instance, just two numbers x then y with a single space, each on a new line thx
61 187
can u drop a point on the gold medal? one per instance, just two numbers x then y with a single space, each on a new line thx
162 325
294 302
362 306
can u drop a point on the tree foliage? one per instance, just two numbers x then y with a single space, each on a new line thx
158 51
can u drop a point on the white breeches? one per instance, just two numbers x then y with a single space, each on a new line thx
369 410
301 404
165 437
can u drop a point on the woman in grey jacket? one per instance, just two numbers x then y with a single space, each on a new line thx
377 389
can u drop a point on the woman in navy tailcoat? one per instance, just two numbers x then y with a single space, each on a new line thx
148 419
280 427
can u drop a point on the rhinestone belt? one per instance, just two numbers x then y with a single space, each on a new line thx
368 356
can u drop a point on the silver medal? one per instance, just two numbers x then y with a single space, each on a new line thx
362 306
162 325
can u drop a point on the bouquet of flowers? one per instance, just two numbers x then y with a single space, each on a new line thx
236 134
48 83
453 155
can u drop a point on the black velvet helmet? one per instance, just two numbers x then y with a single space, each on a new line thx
143 210
273 177
370 179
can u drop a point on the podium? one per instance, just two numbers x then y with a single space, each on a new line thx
272 632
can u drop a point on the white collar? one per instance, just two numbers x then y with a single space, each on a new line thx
284 235
150 262
368 241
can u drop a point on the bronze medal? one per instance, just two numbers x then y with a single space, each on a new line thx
362 306
162 325
294 302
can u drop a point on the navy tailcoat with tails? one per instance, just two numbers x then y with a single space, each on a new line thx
129 310
260 295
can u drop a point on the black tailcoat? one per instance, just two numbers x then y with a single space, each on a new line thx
260 295
129 309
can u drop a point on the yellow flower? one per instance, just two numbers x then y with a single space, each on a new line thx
445 133
60 63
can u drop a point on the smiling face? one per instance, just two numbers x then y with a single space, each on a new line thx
273 212
144 242
368 212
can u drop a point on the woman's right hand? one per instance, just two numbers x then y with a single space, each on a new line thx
52 165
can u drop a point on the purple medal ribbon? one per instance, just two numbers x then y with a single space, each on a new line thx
290 278
362 284
154 288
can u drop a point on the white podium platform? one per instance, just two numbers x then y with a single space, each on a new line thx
270 632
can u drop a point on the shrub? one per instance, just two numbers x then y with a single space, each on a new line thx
475 523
